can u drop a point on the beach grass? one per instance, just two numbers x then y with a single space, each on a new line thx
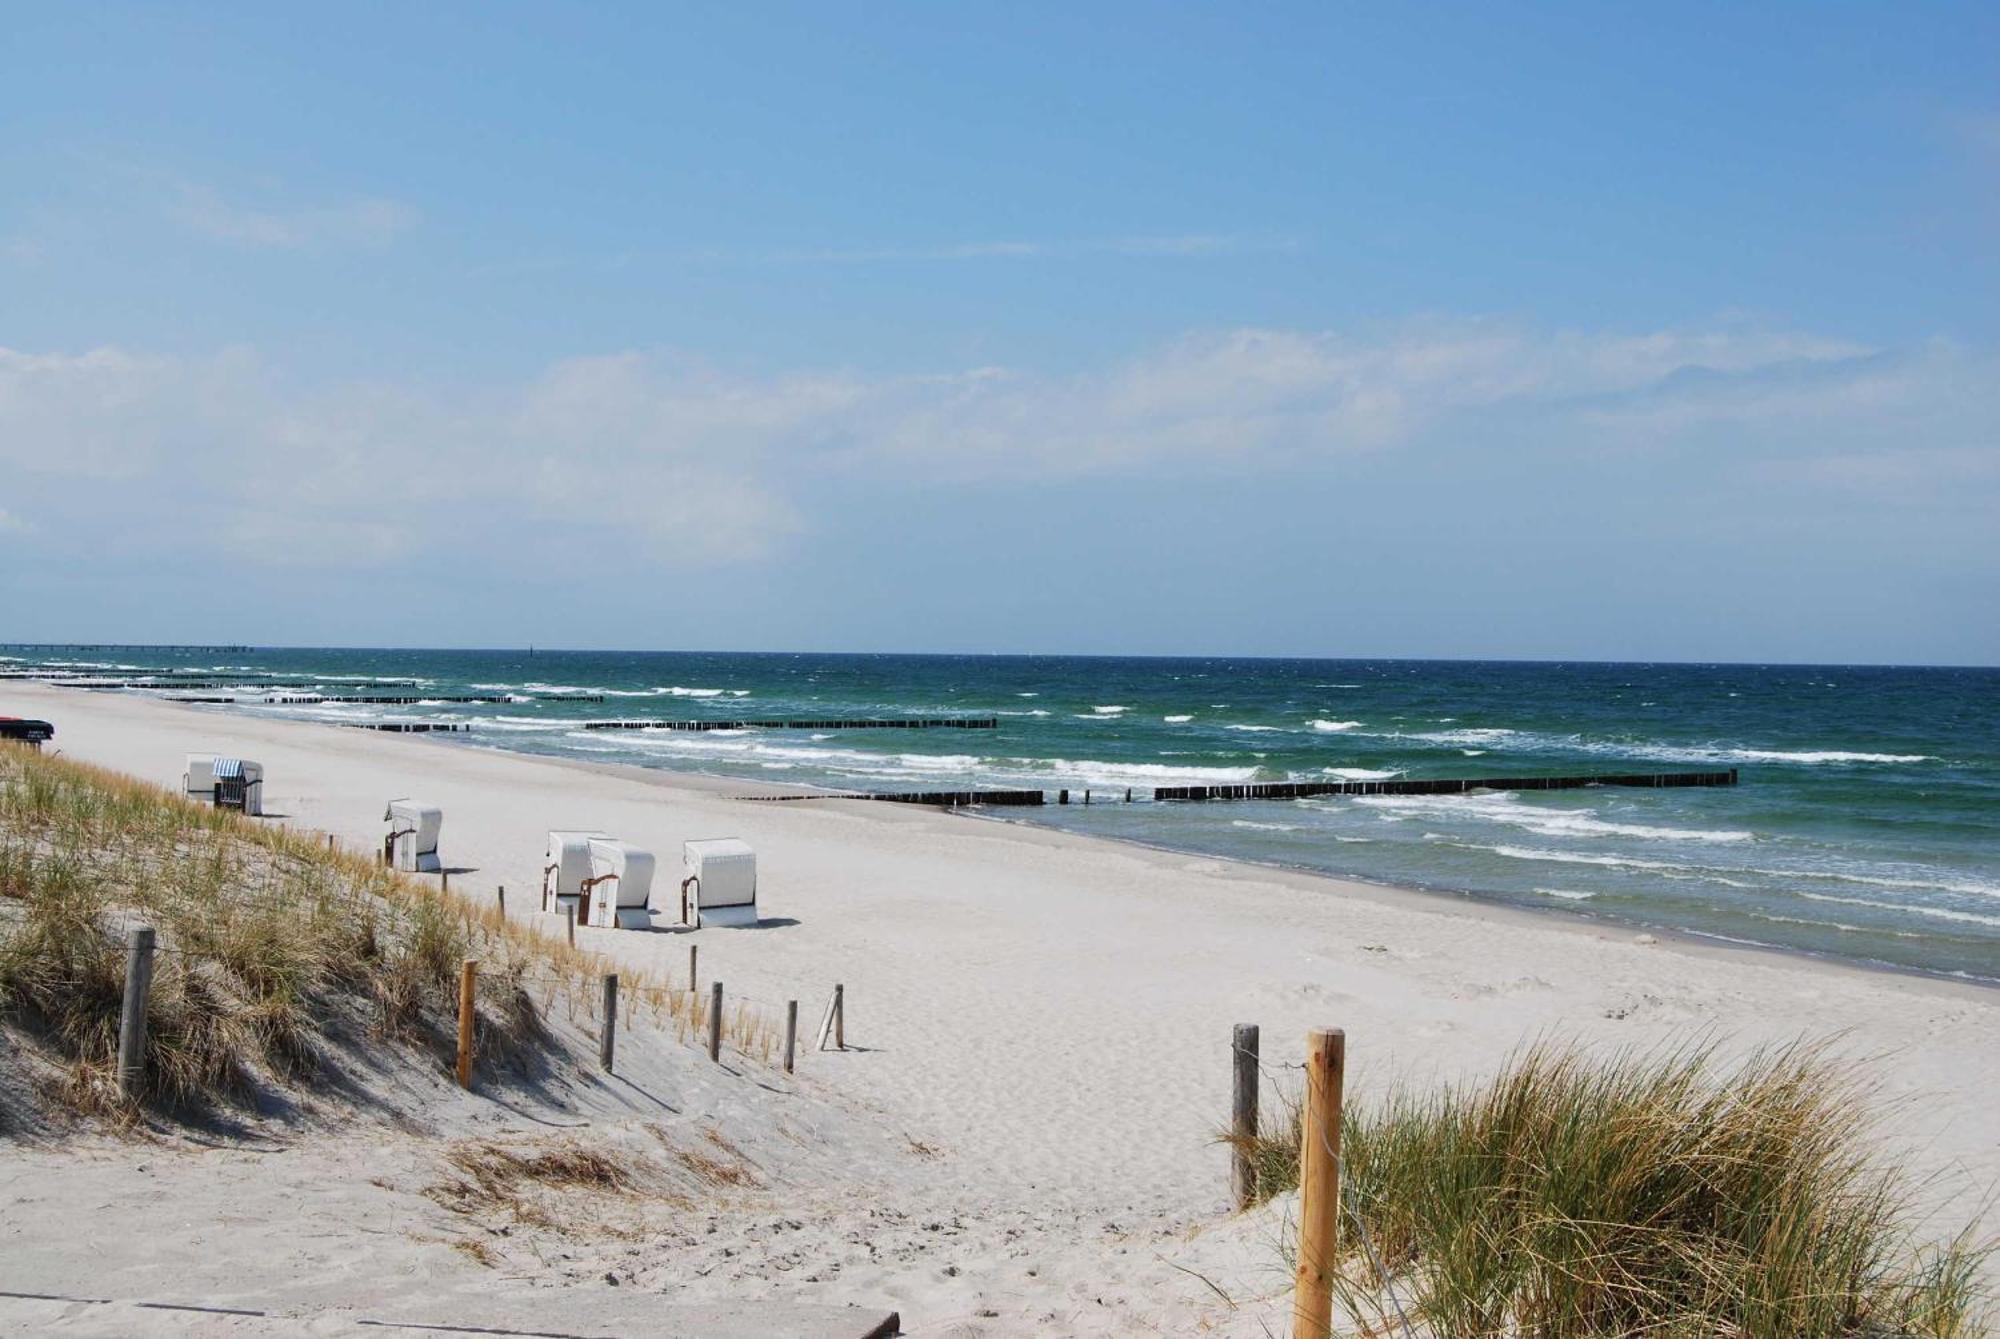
269 940
1640 1193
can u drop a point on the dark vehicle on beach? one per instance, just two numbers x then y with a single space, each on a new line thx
24 731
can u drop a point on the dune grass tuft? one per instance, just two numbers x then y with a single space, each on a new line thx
1659 1194
266 937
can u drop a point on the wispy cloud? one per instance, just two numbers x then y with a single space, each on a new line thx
364 221
666 460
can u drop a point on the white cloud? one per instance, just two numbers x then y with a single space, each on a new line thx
665 460
367 221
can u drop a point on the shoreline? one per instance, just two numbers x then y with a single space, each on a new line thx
1462 901
1458 899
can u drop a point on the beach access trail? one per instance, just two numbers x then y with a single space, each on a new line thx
1047 1016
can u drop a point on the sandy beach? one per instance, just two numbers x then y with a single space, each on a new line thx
1046 1017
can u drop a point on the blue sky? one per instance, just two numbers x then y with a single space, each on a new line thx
1567 331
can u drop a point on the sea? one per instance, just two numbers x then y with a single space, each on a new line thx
1866 825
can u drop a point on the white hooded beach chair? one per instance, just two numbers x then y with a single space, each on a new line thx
566 867
620 885
721 883
226 783
413 836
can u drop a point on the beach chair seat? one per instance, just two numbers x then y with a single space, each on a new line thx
620 886
226 783
565 867
412 843
720 887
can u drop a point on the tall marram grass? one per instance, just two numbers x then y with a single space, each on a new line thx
267 937
1656 1194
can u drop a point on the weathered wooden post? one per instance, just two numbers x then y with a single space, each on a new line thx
569 924
791 1031
715 1021
444 880
132 1012
1319 1185
607 1035
468 995
840 1018
500 897
1243 1116
329 841
693 950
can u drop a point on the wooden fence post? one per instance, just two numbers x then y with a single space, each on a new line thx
693 950
608 1035
569 924
444 880
1319 1185
791 1031
1243 1116
329 841
500 896
468 995
715 1022
840 1018
132 1013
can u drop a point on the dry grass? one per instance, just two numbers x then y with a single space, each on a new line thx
1656 1195
265 935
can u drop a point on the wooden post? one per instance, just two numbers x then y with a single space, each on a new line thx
791 1031
1243 1116
569 924
693 950
715 1021
840 1018
132 1014
468 995
444 880
500 896
1062 797
1319 1185
607 1035
329 841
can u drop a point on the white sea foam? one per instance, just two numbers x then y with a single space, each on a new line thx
1176 720
1503 808
1027 695
1935 913
1359 773
1256 729
1263 827
1473 753
1583 858
1110 711
1489 735
1326 726
1566 894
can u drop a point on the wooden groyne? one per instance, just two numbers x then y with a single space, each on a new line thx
947 799
1301 790
913 723
409 727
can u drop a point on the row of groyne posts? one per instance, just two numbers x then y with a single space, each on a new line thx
1279 790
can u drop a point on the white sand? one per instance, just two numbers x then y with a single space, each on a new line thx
1051 1013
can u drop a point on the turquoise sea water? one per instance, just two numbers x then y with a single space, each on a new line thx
1867 824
